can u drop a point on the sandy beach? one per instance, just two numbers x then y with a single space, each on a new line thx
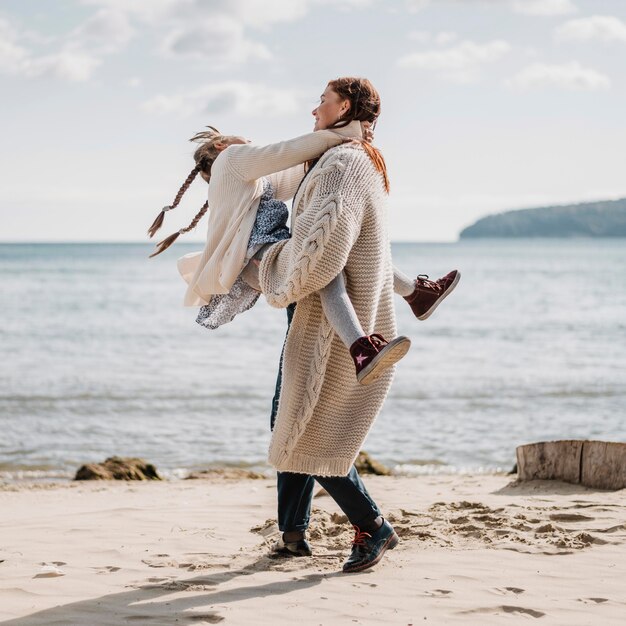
474 550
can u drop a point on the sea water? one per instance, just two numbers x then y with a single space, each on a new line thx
100 358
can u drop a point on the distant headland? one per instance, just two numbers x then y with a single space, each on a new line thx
587 219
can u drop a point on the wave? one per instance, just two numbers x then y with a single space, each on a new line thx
429 467
135 396
249 394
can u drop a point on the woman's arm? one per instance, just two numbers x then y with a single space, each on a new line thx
323 236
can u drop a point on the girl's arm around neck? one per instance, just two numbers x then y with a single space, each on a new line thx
249 162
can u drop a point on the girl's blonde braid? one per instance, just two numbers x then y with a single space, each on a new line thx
158 222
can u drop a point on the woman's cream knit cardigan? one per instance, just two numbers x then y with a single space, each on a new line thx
234 193
339 223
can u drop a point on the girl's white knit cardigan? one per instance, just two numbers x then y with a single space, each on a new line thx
235 189
340 224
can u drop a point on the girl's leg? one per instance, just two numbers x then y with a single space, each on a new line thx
250 272
372 354
340 312
402 284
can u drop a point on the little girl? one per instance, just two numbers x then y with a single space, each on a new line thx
247 214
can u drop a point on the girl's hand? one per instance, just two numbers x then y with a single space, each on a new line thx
368 132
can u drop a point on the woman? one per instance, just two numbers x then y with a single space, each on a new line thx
338 224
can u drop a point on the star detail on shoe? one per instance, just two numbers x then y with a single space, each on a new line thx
360 358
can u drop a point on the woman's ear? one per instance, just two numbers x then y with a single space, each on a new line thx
220 145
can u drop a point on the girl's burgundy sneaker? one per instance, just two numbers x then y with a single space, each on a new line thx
373 355
429 294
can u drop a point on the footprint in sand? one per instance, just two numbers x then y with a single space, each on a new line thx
503 591
160 560
583 504
594 600
612 529
570 517
438 593
107 569
506 608
207 618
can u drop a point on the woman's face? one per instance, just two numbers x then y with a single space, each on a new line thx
330 109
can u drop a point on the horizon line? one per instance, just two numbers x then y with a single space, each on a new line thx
150 243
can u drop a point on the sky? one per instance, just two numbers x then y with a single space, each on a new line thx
487 105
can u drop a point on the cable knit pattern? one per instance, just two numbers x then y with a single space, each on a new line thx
316 373
324 415
312 248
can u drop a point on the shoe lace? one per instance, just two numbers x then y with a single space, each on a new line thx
377 341
424 281
359 536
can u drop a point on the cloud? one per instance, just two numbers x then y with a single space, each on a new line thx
251 13
16 60
596 27
460 62
421 36
12 55
262 14
107 31
221 40
218 31
237 97
71 65
544 7
143 10
413 6
445 37
441 38
570 76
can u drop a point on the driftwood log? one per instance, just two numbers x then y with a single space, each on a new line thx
598 464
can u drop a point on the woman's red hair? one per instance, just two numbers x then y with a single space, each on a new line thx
364 107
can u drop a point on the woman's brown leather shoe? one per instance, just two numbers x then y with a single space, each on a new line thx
292 548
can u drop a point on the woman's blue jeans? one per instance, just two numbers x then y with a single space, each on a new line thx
295 491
